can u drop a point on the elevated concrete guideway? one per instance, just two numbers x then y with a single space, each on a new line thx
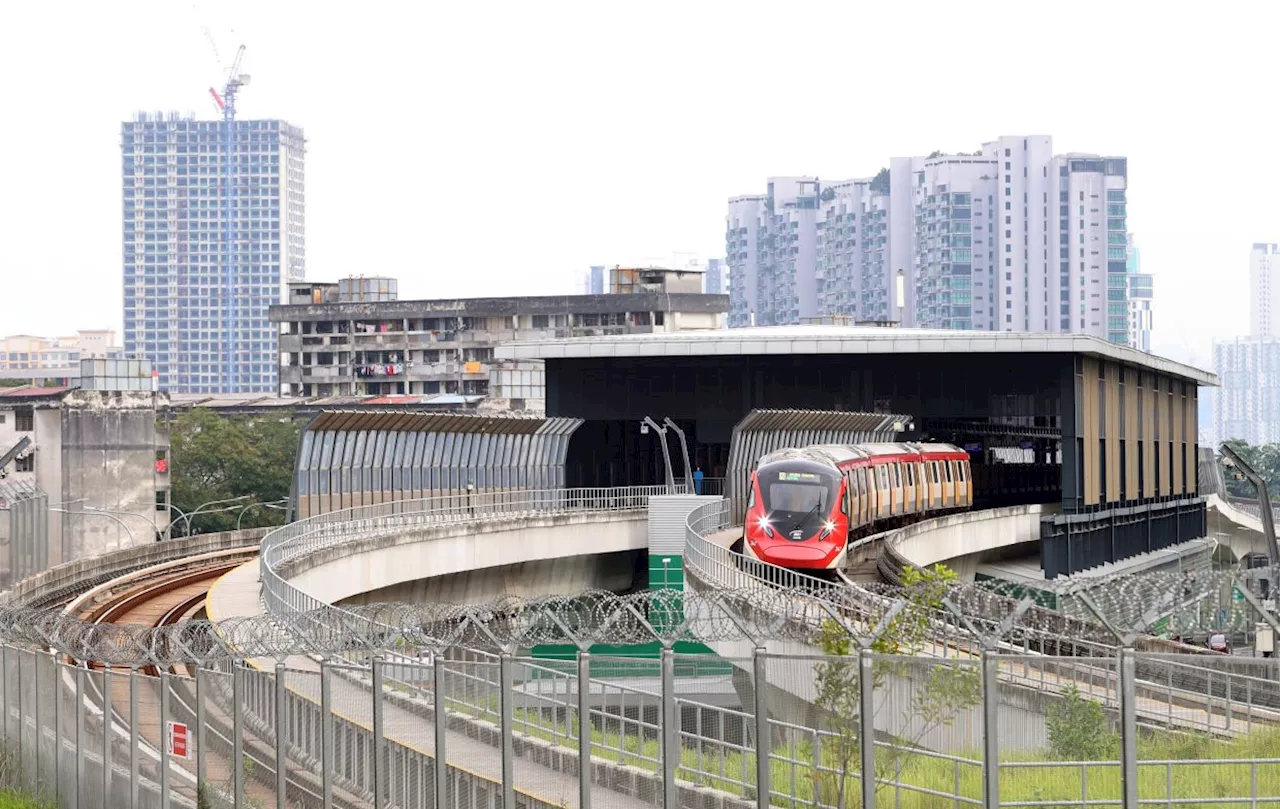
476 551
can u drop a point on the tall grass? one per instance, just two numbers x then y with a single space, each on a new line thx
924 780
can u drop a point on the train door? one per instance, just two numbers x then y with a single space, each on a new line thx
884 498
851 499
909 505
964 488
896 487
935 485
948 484
865 497
922 486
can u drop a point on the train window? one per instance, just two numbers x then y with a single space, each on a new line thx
948 466
963 469
884 477
934 469
751 495
911 474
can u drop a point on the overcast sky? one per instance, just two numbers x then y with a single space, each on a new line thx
474 149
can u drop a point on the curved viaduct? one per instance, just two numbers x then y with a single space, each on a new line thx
391 548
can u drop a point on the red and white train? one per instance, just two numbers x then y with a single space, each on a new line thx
804 505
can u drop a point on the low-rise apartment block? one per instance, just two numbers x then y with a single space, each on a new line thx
333 345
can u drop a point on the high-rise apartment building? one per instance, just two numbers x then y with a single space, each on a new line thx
214 230
1264 289
776 240
717 277
593 282
1141 294
1008 238
1248 399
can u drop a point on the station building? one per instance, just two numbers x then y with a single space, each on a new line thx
1116 428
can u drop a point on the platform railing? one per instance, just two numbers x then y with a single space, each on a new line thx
335 529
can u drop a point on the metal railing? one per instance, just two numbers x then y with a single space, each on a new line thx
678 731
336 529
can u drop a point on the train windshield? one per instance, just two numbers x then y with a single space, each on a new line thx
798 500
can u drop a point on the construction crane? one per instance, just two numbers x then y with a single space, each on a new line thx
226 100
229 294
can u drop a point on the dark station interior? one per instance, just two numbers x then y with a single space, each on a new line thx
1040 410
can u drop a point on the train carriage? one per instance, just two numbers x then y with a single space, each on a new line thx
805 505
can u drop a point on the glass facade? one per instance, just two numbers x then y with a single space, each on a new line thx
213 230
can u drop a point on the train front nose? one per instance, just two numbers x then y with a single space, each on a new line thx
799 554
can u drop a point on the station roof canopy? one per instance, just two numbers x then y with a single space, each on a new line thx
801 340
417 421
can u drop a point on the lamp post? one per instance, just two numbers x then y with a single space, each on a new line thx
272 504
188 517
106 514
97 510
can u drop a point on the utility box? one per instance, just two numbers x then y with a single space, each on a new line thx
1266 640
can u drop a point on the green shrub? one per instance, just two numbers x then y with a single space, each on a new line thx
1078 729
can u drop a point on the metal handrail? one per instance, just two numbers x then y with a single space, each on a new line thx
335 529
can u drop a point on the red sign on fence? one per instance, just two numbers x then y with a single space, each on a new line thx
179 740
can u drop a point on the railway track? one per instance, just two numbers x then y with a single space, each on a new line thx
163 601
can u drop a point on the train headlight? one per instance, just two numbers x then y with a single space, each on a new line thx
827 528
763 524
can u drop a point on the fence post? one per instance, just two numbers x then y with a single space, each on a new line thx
990 730
201 720
584 730
80 712
4 689
22 720
670 729
867 727
379 740
35 689
764 737
506 703
106 735
237 732
164 738
56 770
326 735
282 740
134 741
1128 729
438 686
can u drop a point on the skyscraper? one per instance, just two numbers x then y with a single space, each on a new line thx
1140 298
1007 238
1264 289
214 228
716 280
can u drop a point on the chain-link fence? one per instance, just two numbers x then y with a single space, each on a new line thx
684 729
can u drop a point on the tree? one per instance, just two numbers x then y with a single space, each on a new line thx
218 458
1264 459
880 183
1078 729
942 690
